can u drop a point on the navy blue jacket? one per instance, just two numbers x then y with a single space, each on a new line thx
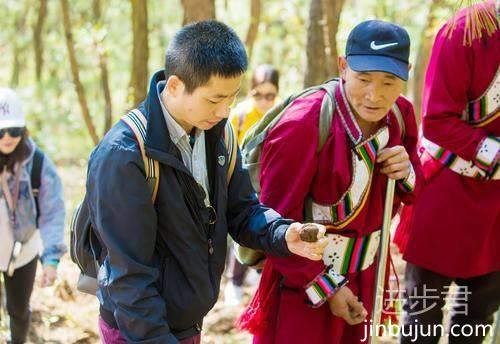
162 272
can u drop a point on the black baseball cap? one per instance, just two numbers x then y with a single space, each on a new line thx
378 46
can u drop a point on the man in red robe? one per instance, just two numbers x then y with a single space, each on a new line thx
342 186
452 232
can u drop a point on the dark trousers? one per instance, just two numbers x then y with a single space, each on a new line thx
18 290
474 305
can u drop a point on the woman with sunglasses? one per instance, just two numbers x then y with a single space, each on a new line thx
261 98
31 221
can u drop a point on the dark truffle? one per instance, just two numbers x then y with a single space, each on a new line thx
309 232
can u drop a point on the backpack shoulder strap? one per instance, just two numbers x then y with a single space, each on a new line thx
325 124
401 122
138 123
326 112
232 149
36 179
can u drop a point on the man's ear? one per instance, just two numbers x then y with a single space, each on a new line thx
174 87
342 64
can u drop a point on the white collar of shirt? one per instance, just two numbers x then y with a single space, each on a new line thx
194 158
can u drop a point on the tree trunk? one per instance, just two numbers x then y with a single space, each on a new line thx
18 48
196 10
333 10
75 71
140 52
316 69
16 67
38 39
103 67
253 29
424 51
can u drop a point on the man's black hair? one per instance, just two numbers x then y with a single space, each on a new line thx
204 49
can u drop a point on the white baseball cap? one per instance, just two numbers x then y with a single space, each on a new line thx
11 110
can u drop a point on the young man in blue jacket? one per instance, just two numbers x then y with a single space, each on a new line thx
164 261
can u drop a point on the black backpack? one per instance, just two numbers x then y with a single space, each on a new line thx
36 179
86 249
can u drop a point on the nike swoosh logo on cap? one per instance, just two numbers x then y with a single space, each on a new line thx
376 46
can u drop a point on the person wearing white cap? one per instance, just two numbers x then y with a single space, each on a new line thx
31 214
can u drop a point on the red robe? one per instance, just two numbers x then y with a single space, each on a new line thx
454 227
291 169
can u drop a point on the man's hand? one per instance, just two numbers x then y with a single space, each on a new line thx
49 275
395 162
310 250
346 306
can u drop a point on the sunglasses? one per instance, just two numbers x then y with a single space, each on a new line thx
13 132
267 96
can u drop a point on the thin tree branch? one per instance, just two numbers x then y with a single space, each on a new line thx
75 71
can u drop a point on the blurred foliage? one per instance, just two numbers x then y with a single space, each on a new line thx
52 106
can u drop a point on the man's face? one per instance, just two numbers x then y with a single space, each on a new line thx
370 94
206 106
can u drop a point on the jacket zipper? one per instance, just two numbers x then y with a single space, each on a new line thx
210 243
213 198
210 254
